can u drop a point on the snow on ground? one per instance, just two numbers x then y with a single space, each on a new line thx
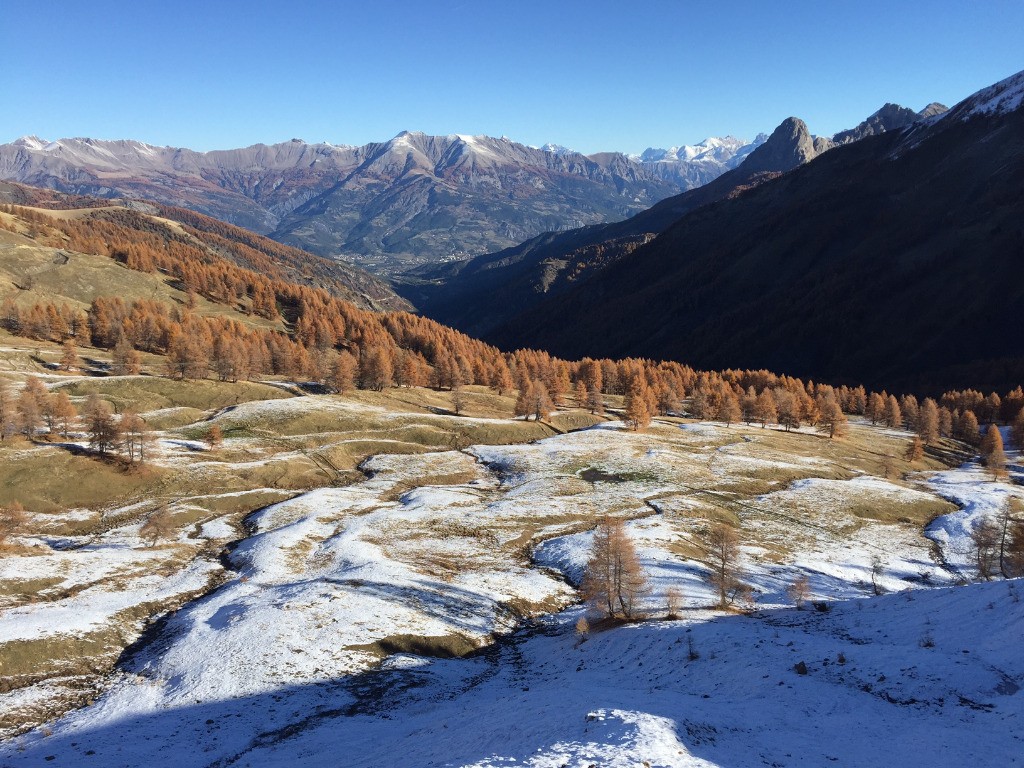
972 489
432 554
929 678
93 608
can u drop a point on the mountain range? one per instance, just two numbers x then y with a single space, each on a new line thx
894 260
538 270
388 206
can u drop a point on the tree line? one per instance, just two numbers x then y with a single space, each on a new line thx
328 340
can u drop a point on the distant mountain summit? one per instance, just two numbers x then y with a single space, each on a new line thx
691 166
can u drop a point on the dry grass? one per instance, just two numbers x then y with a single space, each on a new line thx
150 393
58 275
50 479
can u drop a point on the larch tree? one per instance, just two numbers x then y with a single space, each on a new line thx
928 422
892 415
613 581
915 450
375 369
124 359
637 404
993 452
580 394
60 413
765 411
501 379
343 374
214 436
788 409
832 419
723 550
539 400
30 418
968 429
875 409
104 430
729 409
69 356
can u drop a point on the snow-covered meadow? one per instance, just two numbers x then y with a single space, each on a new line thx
424 615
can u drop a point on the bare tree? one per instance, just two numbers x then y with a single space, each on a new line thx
458 400
985 538
799 591
8 417
613 581
723 550
1011 538
582 630
673 603
104 430
877 571
136 436
159 526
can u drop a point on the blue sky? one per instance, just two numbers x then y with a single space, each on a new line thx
590 75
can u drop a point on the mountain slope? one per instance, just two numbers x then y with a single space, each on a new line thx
220 240
895 260
413 199
540 268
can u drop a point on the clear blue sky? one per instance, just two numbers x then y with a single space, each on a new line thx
592 75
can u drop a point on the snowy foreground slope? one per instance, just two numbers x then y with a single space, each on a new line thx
302 655
931 678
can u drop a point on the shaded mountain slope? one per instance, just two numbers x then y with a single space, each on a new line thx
524 275
897 260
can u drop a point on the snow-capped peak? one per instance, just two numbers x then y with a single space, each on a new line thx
31 142
557 149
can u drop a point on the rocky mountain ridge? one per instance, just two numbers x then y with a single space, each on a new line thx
892 260
537 270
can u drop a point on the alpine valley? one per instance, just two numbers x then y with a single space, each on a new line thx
453 451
